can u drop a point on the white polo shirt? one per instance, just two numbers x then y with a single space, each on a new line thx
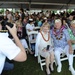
7 49
30 27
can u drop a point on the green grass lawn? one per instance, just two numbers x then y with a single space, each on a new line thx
31 67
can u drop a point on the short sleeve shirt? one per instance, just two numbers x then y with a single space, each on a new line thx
7 49
63 41
30 27
72 37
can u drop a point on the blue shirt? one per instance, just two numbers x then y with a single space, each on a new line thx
63 41
39 23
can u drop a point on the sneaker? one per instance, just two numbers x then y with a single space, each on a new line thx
72 70
59 69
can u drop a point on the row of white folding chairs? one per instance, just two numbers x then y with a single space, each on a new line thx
41 60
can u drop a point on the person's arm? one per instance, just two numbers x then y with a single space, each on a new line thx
73 41
29 30
69 41
22 55
70 47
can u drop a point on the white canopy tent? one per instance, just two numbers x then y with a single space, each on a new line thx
38 4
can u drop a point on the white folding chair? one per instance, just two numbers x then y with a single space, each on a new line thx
37 28
31 40
63 57
41 61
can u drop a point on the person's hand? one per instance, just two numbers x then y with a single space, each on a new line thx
29 30
12 30
73 41
70 50
44 50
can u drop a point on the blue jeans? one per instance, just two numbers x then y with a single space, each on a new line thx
33 47
8 66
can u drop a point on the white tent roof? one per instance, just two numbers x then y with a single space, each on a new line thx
38 4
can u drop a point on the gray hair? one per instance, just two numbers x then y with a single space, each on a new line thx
57 20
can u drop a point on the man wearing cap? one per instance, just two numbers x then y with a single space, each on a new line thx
62 44
30 25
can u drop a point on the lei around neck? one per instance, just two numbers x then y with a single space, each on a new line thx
60 32
44 37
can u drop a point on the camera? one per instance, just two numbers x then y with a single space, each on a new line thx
4 23
10 25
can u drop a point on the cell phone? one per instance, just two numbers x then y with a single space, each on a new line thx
47 47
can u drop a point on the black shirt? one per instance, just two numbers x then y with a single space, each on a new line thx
22 34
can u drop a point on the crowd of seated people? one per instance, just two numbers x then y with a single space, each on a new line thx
60 28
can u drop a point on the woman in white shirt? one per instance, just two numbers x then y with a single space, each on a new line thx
44 40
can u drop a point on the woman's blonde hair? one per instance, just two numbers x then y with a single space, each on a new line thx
18 23
45 24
